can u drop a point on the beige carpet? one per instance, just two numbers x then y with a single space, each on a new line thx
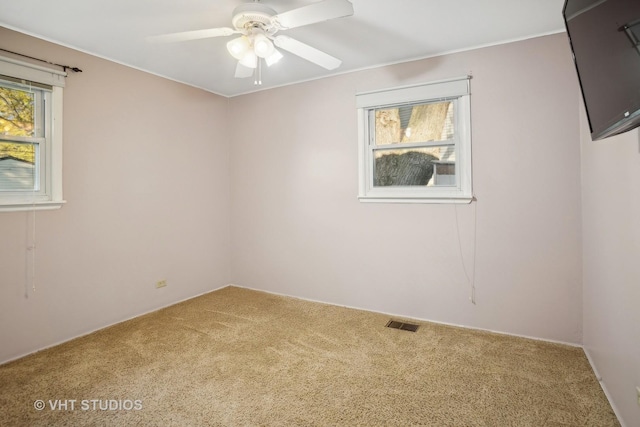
237 357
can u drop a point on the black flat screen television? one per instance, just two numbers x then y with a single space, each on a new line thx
605 39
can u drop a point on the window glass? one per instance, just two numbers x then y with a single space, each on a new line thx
414 167
414 123
18 151
17 167
17 112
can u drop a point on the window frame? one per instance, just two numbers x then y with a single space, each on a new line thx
456 90
49 174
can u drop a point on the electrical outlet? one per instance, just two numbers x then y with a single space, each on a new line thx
161 284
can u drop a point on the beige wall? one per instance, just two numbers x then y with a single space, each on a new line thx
611 230
146 180
298 228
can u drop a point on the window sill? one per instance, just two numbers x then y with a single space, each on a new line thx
31 206
434 200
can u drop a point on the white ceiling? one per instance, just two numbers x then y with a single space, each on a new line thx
380 32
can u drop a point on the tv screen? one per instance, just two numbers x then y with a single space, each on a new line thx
605 40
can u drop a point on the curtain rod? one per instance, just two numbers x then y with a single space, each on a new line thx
64 67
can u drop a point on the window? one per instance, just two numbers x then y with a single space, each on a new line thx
30 136
415 143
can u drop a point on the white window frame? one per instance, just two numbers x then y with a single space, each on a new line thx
456 89
49 174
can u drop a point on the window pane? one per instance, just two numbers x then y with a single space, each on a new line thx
432 166
16 112
17 166
415 123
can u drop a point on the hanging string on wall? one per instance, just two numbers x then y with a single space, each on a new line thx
471 280
30 266
64 67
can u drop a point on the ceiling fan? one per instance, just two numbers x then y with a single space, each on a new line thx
258 25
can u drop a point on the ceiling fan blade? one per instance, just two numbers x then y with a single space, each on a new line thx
243 72
192 35
317 12
307 52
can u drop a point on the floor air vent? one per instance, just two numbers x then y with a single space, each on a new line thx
404 326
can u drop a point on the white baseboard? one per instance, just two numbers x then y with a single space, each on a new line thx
20 356
603 386
401 316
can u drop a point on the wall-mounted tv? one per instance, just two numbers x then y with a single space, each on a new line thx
605 40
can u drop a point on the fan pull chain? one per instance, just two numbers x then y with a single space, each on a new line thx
258 74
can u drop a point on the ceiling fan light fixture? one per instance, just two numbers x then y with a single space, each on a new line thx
273 58
262 46
239 47
257 26
250 60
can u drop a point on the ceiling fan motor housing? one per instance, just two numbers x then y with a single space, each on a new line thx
250 15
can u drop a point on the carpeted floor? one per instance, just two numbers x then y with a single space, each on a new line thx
236 357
